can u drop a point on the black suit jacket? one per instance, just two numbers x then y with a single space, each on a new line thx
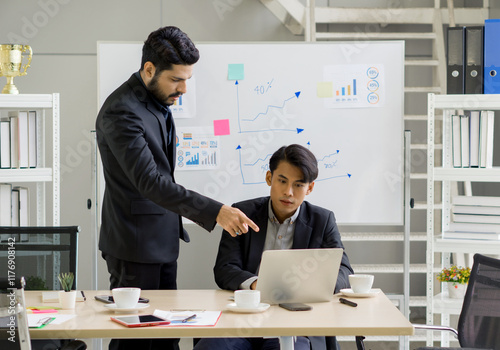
239 258
142 203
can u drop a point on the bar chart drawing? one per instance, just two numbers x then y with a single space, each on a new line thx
357 86
197 149
194 160
209 158
349 90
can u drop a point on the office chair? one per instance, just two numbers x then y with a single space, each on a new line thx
479 320
14 330
41 253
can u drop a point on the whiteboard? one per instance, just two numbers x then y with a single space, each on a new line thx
342 100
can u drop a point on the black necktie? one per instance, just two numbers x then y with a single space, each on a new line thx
169 124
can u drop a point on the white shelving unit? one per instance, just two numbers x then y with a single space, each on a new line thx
439 303
48 167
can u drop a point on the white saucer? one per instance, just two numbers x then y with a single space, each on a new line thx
114 308
262 307
348 292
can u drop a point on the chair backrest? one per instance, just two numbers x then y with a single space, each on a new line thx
479 321
41 253
14 331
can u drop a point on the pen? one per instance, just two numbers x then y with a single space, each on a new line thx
44 321
47 321
188 318
348 302
83 295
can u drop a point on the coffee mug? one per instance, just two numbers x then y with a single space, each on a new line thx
247 299
361 283
126 298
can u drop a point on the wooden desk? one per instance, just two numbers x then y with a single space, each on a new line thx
372 317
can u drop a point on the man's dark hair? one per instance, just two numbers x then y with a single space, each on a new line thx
167 46
298 156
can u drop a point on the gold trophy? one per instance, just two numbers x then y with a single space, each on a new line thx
11 57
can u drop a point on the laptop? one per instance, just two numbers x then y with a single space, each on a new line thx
298 275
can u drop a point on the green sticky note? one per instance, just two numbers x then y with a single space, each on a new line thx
324 89
236 71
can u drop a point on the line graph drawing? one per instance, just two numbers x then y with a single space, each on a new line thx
253 172
250 126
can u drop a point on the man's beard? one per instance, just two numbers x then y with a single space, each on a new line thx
158 93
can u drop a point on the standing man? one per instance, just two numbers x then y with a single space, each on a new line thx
142 205
287 222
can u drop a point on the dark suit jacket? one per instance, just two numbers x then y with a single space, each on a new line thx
239 258
142 202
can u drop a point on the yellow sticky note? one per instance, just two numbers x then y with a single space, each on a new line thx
324 89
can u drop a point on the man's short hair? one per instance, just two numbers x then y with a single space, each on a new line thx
298 156
167 46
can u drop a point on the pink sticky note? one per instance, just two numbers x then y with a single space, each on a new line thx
221 127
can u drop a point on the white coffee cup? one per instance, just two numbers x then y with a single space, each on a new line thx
361 283
126 298
247 299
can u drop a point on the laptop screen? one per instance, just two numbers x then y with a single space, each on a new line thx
298 275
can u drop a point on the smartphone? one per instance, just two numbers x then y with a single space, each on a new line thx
295 306
108 299
140 320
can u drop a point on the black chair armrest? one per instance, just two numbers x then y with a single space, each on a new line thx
436 328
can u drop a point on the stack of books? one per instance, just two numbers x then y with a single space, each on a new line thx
472 139
474 217
18 140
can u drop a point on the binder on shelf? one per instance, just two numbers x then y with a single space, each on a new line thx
15 207
14 142
474 37
22 137
464 140
475 209
479 219
474 127
486 135
473 227
23 206
4 144
490 236
491 201
5 209
5 204
491 74
456 146
32 140
455 61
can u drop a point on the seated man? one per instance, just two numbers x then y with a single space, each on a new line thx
283 218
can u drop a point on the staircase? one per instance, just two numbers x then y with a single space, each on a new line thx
422 29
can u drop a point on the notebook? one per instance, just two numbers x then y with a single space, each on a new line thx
298 275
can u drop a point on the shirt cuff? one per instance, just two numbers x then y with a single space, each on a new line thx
246 284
